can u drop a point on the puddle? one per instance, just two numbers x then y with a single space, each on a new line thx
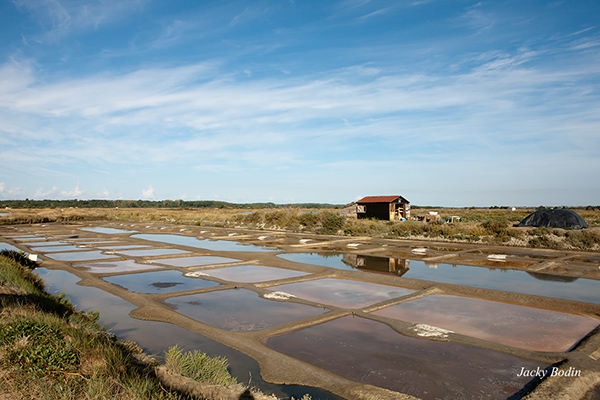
194 261
509 324
79 256
157 337
159 282
240 310
117 266
525 282
373 353
152 252
342 292
109 231
252 273
215 245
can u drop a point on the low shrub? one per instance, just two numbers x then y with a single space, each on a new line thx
331 223
495 226
309 220
584 239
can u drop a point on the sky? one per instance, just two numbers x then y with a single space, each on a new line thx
453 103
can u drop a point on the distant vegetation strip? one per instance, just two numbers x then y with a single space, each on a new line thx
27 203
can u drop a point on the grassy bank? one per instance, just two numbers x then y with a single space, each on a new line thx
477 225
50 350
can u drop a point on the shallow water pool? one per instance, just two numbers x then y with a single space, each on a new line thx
373 353
109 231
510 324
159 282
580 289
215 245
344 293
252 273
240 310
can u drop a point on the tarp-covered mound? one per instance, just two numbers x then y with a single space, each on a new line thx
565 219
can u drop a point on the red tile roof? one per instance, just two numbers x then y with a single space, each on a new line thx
378 199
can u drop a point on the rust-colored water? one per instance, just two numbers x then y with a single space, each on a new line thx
373 353
510 324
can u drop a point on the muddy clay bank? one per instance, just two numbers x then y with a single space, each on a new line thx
361 318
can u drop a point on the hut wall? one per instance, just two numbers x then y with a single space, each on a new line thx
376 210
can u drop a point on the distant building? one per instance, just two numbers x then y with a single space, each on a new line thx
388 208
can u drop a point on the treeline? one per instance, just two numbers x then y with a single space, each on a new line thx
27 203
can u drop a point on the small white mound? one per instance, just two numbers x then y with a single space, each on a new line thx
304 241
419 250
425 330
278 296
352 245
262 237
195 274
497 257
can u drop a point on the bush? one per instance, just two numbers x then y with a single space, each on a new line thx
583 239
495 226
309 220
332 223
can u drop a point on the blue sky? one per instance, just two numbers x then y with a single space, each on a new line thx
450 103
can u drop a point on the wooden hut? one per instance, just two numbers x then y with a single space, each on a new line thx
383 207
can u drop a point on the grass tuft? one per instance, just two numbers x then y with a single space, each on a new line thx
199 366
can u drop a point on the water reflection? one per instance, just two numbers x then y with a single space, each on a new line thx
109 231
510 324
215 245
6 246
194 261
63 247
252 273
342 292
117 266
586 290
240 310
373 353
151 252
394 266
157 337
80 256
159 282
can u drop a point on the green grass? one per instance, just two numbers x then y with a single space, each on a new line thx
199 366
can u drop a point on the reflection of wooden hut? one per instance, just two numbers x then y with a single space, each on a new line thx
395 266
383 207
